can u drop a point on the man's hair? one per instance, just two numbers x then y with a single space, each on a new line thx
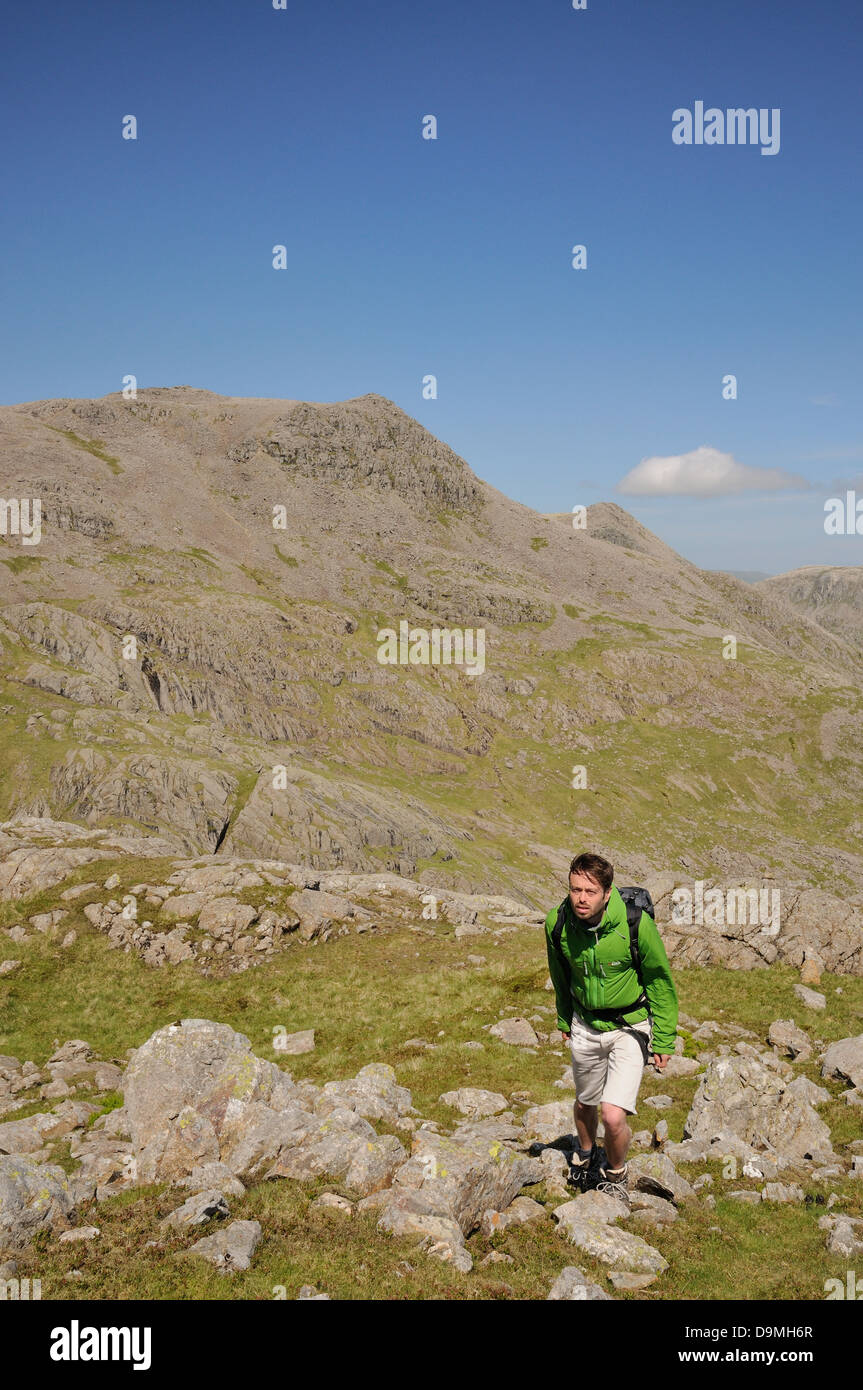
596 867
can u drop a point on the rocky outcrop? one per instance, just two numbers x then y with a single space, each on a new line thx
743 1097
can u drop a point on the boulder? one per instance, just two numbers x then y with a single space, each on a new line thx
548 1123
599 1237
252 1135
518 1213
810 998
373 1093
32 1196
294 1044
231 1248
471 1100
516 1031
572 1285
214 1175
220 917
460 1181
744 1097
655 1173
844 1059
790 1040
782 1192
178 1086
681 1066
200 1207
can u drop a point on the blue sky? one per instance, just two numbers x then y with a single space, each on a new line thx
452 257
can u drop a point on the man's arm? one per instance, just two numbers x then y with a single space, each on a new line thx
658 986
559 973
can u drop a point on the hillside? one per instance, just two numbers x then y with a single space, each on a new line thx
831 596
256 649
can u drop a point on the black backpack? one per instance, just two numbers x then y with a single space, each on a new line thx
636 901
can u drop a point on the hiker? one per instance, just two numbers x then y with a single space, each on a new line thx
613 986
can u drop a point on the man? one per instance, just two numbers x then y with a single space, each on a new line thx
596 981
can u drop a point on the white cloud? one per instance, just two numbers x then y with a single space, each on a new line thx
703 472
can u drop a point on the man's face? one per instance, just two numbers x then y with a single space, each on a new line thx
588 897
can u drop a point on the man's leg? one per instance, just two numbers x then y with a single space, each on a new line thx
625 1070
586 1119
618 1135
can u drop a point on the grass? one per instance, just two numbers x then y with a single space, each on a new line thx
20 564
365 996
91 446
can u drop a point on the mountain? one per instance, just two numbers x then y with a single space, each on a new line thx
252 715
830 595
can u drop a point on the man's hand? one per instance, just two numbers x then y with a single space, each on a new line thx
660 1059
566 1037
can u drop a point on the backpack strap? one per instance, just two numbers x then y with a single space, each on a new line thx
633 917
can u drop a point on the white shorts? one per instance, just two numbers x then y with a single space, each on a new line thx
607 1066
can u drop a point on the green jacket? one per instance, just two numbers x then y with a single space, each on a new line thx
600 974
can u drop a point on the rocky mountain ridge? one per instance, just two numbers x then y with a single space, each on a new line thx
172 663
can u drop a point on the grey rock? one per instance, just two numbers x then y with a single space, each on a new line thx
178 1088
604 1241
655 1173
572 1285
810 997
790 1040
295 1044
744 1097
373 1093
216 1176
548 1123
231 1248
460 1181
844 1059
32 1196
782 1192
332 1201
77 1233
845 1238
200 1207
518 1213
450 1252
625 1279
516 1031
472 1100
807 1091
681 1066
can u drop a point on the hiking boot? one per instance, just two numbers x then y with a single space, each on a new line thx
583 1171
614 1182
